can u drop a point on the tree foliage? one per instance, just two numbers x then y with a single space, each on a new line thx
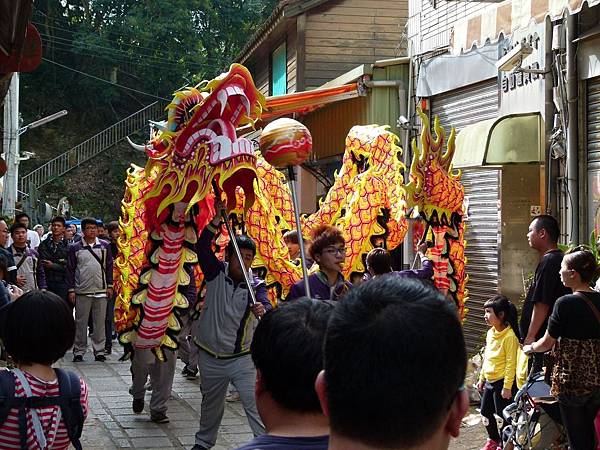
152 47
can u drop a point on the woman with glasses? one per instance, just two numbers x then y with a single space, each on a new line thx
328 250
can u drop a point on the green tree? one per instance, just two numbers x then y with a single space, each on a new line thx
152 47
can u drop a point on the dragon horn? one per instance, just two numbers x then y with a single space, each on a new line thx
141 148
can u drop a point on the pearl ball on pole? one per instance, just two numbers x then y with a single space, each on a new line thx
288 143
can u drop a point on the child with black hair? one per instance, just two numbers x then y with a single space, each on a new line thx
37 330
497 378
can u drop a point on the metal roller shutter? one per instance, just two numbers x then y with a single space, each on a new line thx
482 189
593 153
460 108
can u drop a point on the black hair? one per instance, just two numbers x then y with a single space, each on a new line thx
88 221
548 223
323 236
17 226
379 260
394 360
59 219
37 328
583 262
243 242
291 236
112 226
501 304
19 216
287 349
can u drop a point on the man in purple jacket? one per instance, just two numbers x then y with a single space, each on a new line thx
90 283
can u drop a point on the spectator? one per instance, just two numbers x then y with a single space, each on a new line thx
102 232
8 292
287 351
69 235
574 332
497 378
379 262
39 229
89 279
30 273
546 287
33 239
11 267
224 331
109 326
328 250
394 368
53 256
76 235
37 330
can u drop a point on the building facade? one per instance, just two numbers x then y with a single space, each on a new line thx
519 82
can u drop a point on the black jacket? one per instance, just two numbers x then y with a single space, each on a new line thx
57 254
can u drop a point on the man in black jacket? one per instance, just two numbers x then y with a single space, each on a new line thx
53 256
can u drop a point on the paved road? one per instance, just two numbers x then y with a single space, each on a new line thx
113 425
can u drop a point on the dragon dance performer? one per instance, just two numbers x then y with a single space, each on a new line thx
328 250
225 330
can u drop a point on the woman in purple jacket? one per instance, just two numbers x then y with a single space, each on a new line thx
328 250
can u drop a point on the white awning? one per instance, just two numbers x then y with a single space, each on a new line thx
506 17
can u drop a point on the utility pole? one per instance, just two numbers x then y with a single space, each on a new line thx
11 147
12 131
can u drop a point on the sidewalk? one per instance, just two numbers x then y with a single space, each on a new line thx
112 424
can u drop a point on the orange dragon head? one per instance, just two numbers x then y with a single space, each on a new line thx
198 144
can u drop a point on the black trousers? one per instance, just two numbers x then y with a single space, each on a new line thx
493 403
110 321
578 414
59 288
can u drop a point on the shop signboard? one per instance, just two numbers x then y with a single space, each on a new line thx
522 92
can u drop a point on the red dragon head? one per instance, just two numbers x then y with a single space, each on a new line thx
198 145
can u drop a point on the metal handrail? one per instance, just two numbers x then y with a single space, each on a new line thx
91 147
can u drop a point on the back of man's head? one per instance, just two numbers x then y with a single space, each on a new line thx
394 361
287 350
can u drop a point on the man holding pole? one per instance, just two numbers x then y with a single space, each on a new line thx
225 329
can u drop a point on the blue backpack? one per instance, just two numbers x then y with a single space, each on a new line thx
69 401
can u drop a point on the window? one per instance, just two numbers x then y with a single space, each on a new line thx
279 71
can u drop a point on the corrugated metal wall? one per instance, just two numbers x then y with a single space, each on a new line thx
460 108
593 152
467 105
482 190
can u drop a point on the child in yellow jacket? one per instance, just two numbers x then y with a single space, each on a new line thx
497 379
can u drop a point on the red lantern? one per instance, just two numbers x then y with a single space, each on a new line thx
285 142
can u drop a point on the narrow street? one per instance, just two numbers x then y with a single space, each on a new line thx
112 424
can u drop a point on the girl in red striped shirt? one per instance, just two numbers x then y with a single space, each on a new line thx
37 329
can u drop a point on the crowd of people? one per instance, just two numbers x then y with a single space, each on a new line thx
378 363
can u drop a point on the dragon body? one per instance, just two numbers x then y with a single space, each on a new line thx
167 203
196 154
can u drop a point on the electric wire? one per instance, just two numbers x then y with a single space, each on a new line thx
105 81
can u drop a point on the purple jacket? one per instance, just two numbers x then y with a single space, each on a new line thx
319 288
424 273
